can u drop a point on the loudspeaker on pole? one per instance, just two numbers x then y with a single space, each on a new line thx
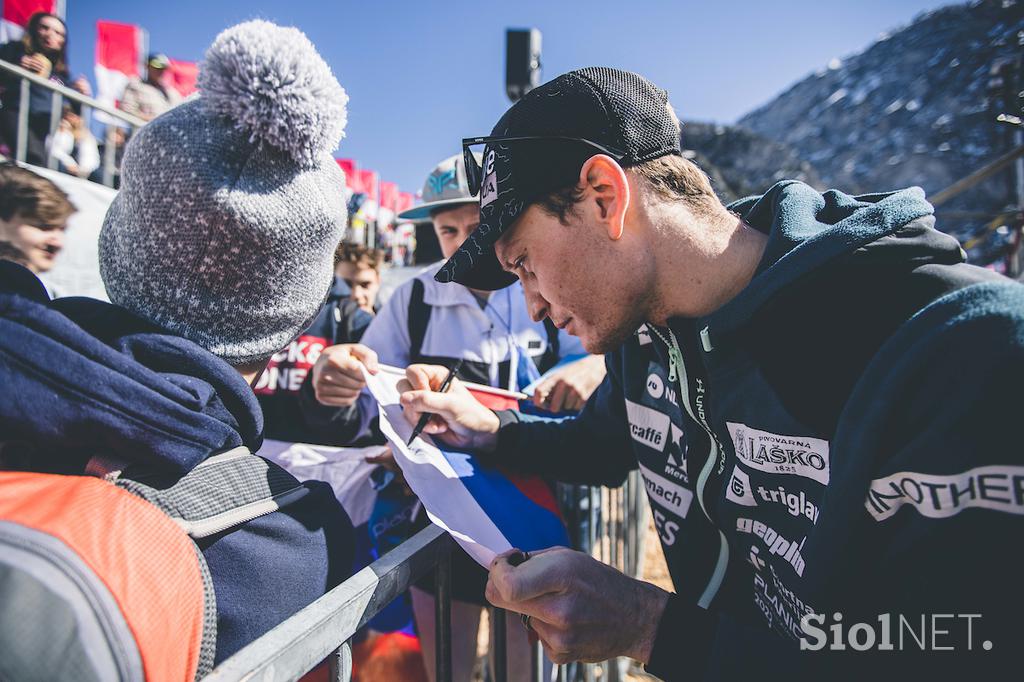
522 61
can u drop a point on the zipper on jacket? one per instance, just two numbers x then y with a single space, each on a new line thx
677 372
705 340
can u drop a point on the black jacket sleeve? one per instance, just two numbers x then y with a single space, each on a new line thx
327 423
682 645
592 448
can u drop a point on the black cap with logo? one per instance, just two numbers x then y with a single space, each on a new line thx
541 143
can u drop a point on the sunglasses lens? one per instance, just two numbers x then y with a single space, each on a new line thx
474 173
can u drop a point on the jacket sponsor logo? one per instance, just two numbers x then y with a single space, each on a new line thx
796 504
738 490
667 494
789 550
667 528
643 335
781 607
775 454
677 448
288 368
657 389
999 488
647 426
655 386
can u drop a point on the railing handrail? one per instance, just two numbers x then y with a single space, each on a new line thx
72 94
324 629
298 644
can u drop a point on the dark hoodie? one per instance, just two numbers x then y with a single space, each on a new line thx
838 438
80 378
285 390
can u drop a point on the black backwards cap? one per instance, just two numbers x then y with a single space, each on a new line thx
616 109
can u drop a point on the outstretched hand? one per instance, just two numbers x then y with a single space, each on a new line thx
338 373
568 389
458 419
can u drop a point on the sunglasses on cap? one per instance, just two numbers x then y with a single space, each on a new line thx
475 172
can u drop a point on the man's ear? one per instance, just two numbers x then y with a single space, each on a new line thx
606 182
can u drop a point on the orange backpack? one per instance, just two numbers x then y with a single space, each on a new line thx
103 576
100 575
103 572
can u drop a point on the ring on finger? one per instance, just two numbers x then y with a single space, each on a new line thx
526 622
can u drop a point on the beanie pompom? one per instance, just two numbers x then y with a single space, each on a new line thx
272 83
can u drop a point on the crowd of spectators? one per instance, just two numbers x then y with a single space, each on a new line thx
72 147
43 51
305 390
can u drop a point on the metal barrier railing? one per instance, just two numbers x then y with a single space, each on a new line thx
608 523
324 628
58 93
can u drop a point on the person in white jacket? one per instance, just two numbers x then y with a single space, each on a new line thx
73 146
498 343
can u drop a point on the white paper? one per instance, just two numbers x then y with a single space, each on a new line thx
344 469
435 477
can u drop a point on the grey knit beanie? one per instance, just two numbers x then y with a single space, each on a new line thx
231 206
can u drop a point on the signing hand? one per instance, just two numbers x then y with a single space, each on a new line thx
581 609
459 420
338 373
569 388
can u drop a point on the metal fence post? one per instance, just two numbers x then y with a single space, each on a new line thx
443 618
500 644
539 673
109 155
55 117
21 146
341 663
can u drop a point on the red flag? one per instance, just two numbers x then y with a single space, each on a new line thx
119 54
405 201
348 166
119 47
16 14
388 195
368 180
356 183
183 76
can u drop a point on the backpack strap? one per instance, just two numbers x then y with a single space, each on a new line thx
350 321
250 487
418 318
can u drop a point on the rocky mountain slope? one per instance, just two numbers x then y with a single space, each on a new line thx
917 107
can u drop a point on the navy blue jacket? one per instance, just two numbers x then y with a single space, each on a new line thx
841 437
285 390
79 377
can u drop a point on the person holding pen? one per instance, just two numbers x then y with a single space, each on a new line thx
491 333
821 396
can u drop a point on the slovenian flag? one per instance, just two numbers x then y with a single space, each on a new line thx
485 510
120 53
16 13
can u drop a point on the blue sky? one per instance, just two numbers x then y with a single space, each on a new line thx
422 75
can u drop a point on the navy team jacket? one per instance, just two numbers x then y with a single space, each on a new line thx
840 438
